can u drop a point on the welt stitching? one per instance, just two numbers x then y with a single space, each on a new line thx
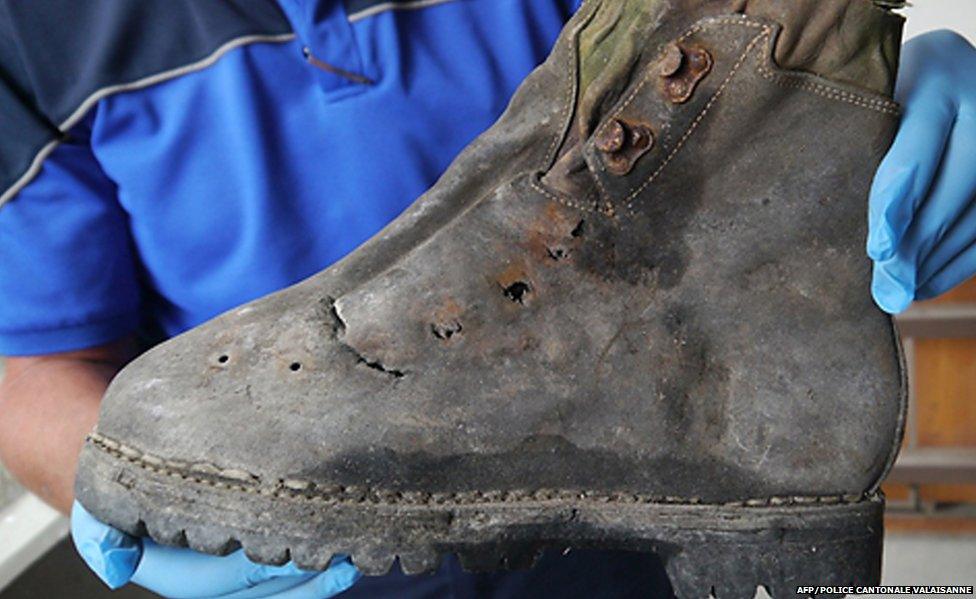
684 138
297 490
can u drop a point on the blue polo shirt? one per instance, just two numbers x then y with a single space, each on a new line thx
256 167
195 190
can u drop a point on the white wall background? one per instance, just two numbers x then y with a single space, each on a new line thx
926 15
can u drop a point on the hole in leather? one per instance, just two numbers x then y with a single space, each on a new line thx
295 366
578 229
557 253
377 366
446 330
223 359
517 291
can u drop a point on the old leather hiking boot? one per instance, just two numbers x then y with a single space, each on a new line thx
634 314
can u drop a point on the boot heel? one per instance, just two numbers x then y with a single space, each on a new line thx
802 552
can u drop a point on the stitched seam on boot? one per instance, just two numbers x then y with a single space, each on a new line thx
244 482
608 208
649 74
604 194
797 81
821 89
793 80
701 116
565 201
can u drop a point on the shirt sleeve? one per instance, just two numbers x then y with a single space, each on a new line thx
67 271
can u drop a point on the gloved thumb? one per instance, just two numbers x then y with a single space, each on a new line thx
109 552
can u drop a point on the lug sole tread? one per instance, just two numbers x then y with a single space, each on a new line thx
726 550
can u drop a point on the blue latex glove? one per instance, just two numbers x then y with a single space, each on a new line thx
118 559
922 215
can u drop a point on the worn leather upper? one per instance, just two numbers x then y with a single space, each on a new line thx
698 326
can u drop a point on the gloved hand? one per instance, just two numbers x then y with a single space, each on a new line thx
922 213
118 558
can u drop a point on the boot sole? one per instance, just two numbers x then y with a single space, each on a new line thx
727 550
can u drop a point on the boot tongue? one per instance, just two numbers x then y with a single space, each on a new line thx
856 42
609 48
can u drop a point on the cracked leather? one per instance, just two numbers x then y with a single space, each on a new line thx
699 327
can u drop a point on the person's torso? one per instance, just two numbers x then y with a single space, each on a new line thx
248 174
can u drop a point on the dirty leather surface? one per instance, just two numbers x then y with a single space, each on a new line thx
700 327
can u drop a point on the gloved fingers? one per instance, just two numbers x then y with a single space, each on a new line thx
181 573
110 553
309 585
271 588
957 243
903 180
942 227
338 578
957 271
915 72
944 223
890 294
959 187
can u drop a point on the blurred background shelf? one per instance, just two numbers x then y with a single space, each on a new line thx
933 485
